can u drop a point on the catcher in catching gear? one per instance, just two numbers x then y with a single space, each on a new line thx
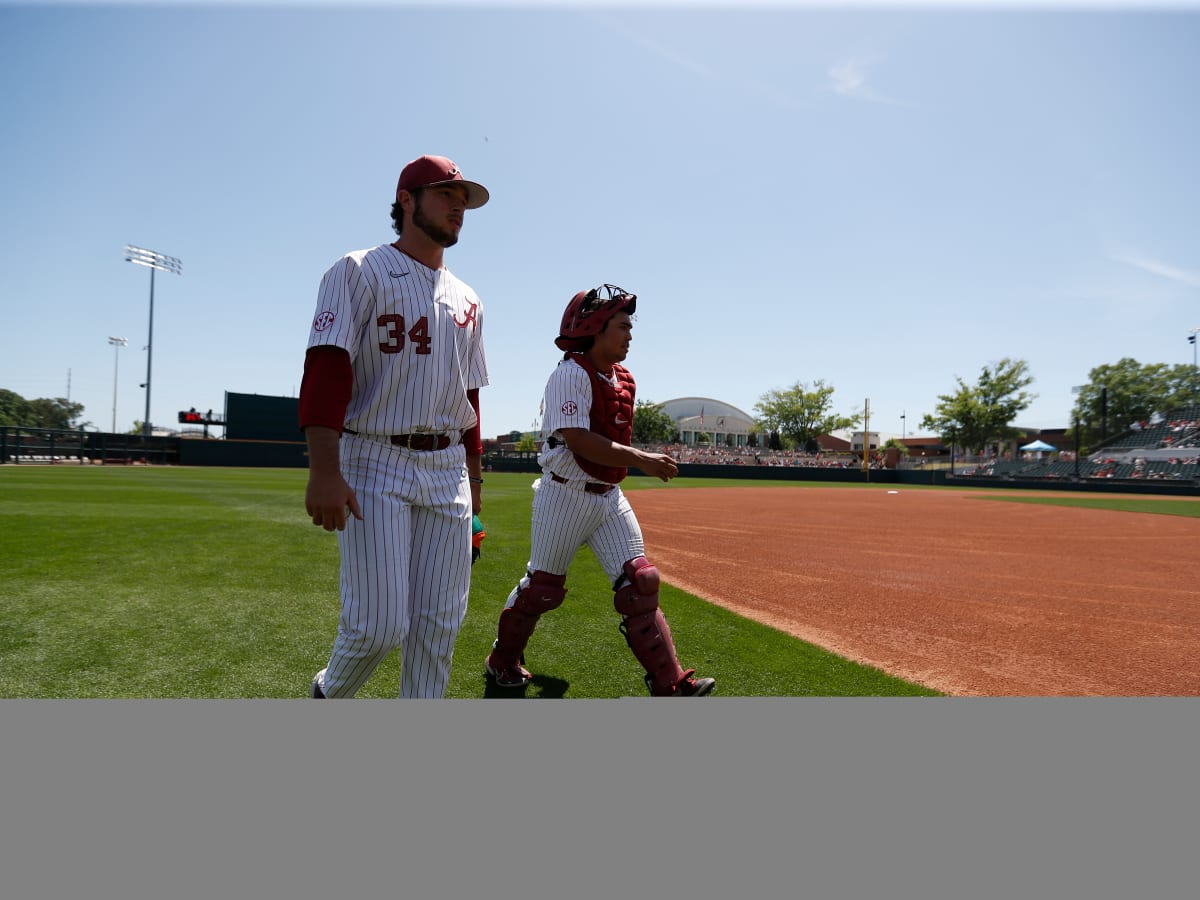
587 427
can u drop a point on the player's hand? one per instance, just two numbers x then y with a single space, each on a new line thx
659 465
330 501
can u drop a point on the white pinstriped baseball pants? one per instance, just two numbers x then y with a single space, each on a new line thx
566 517
405 569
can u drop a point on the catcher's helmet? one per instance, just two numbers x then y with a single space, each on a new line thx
589 311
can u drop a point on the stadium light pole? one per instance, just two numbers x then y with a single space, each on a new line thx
1077 448
160 262
866 436
1192 340
1075 393
117 344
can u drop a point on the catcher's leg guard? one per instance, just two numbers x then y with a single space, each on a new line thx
539 592
645 627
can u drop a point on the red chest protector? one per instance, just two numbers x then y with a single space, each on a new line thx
612 416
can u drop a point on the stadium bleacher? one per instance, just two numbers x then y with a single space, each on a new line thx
1167 449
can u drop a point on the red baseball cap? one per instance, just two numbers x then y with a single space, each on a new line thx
426 171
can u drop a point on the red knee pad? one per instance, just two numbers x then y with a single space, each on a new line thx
545 592
642 575
640 595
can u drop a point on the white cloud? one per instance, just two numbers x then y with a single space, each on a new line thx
852 78
1156 267
849 78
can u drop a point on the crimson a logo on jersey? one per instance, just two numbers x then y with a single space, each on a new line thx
569 408
323 321
468 317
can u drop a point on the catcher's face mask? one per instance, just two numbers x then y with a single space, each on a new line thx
599 297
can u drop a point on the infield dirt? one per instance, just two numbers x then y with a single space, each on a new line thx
958 591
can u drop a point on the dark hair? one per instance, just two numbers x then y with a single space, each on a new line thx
398 211
581 345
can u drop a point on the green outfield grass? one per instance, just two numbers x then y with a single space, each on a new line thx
1123 502
192 582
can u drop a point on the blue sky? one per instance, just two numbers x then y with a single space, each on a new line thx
883 196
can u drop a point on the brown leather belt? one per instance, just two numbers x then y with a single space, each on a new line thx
416 441
421 441
592 487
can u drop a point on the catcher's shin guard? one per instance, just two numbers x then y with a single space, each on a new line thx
645 627
539 592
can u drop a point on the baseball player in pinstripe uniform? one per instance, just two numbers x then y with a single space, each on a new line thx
587 424
389 405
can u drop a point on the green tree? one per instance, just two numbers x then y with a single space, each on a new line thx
527 443
651 425
800 414
976 414
14 409
58 413
1124 392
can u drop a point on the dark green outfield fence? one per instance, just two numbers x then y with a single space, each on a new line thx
39 446
919 476
277 454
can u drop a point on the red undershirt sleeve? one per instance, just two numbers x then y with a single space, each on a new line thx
472 438
325 389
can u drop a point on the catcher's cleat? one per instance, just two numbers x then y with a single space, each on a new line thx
689 686
508 676
316 693
522 660
522 652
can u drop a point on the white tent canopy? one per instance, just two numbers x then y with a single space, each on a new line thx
1039 445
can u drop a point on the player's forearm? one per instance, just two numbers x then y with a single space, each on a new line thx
475 476
601 450
474 466
323 445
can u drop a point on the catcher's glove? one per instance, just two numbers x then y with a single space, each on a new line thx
477 535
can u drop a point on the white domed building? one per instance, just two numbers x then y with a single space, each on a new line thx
724 424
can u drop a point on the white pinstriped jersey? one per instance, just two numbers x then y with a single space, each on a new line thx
415 339
567 403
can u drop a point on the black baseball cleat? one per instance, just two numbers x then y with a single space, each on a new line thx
689 686
316 693
696 687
